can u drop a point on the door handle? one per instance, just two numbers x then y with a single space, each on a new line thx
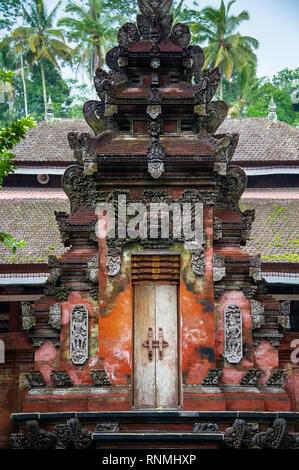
150 343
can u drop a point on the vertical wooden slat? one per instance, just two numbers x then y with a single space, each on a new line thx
144 369
167 368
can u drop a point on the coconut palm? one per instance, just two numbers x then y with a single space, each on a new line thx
45 42
18 43
227 49
92 29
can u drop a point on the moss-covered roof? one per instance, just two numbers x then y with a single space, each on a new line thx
29 215
275 231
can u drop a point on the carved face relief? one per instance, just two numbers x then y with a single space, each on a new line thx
154 111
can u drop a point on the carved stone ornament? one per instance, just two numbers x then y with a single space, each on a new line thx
55 316
233 342
39 438
205 427
278 378
240 434
71 435
113 265
79 335
257 314
251 377
155 57
219 271
154 24
128 35
285 308
35 379
180 35
212 378
61 378
155 155
92 272
256 268
28 318
198 261
100 378
217 228
106 427
154 110
273 438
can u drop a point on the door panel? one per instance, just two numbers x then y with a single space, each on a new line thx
144 370
167 368
156 382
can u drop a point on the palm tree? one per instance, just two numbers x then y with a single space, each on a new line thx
45 42
226 49
91 27
19 43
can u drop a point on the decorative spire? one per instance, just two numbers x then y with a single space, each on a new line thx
49 114
272 116
154 24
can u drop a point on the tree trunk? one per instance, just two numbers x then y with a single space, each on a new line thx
24 86
221 83
44 87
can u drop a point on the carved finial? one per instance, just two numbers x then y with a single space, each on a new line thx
272 116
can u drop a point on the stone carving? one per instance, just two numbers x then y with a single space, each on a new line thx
92 272
79 335
80 188
155 57
256 268
219 271
205 427
212 378
72 436
35 379
233 348
113 265
251 377
108 85
198 261
107 427
155 155
61 378
217 228
240 434
216 112
18 441
94 114
154 24
55 316
100 378
206 87
278 378
285 308
180 35
257 314
28 318
154 110
61 219
246 225
128 35
63 292
39 438
273 437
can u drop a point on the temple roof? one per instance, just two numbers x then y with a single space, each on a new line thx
48 141
260 141
29 215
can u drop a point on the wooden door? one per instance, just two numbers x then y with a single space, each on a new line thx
156 364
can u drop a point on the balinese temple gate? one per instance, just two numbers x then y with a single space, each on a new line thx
155 328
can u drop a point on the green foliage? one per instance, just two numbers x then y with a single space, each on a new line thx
280 89
11 242
9 11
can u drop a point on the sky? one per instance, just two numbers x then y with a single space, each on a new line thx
274 23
